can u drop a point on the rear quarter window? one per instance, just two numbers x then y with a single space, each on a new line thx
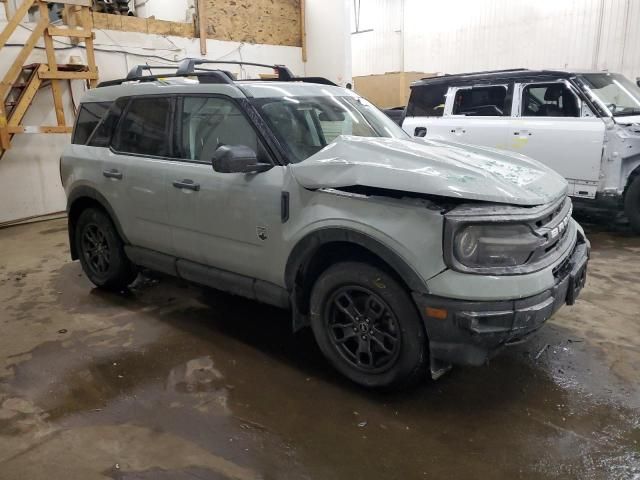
427 101
89 116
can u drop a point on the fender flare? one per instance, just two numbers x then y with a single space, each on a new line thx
86 192
309 245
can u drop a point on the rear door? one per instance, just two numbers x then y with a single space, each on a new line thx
140 149
478 115
425 110
554 126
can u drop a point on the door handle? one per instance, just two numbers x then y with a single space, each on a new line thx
112 173
458 130
420 132
187 184
522 133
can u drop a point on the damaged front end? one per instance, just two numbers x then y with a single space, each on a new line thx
499 240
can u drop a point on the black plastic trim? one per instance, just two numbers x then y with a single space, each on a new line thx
309 245
284 207
85 191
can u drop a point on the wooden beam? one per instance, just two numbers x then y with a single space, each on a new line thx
80 3
56 89
202 26
5 139
14 22
26 98
38 129
69 32
303 30
15 69
69 75
86 19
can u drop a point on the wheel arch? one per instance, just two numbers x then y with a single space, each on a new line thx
319 249
81 198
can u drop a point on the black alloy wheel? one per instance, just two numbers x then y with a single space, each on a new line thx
363 328
95 249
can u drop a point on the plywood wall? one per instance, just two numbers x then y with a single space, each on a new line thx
273 22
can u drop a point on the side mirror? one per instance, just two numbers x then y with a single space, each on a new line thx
237 159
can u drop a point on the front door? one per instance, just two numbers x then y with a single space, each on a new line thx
230 221
552 125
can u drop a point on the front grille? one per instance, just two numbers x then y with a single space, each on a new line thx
553 228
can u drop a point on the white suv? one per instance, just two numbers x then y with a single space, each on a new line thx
586 126
402 255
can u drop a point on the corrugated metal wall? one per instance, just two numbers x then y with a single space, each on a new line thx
467 35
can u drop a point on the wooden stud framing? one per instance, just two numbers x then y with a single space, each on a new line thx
83 22
53 68
87 23
15 69
15 21
69 32
58 75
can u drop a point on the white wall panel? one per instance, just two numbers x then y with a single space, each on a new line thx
378 48
468 35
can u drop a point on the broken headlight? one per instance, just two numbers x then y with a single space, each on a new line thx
494 245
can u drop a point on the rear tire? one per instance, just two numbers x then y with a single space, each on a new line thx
101 251
632 204
367 326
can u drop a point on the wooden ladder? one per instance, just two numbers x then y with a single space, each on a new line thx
21 82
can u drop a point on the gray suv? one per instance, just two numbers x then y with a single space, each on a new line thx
404 256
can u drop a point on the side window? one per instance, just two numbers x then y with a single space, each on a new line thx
88 118
208 122
549 100
101 136
144 129
427 101
490 101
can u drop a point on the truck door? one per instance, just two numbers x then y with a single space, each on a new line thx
552 125
478 115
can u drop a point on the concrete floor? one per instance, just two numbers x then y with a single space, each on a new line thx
173 382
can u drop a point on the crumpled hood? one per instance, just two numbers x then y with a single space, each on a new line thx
431 167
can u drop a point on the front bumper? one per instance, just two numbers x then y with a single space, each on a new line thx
470 332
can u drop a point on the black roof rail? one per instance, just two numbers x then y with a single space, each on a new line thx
138 70
190 65
211 76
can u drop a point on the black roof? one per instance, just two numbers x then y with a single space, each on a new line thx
492 76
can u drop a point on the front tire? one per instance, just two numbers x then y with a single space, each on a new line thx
101 251
632 204
367 326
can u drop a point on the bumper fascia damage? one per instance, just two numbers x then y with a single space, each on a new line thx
471 332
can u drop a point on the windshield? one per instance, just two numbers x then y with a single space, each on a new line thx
613 93
305 125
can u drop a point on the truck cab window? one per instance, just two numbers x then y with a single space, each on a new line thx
427 101
487 101
549 100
